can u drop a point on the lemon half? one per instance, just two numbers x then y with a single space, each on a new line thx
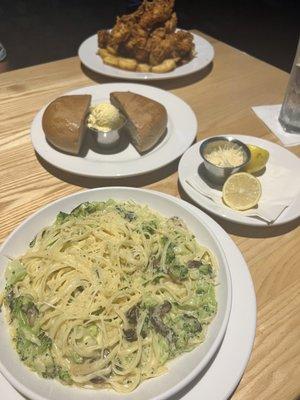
241 191
258 160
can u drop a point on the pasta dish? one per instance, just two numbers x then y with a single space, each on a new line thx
107 294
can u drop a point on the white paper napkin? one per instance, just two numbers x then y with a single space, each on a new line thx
280 187
269 115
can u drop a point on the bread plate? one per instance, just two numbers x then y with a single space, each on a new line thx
88 56
124 161
184 368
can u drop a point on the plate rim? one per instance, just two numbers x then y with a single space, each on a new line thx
243 220
36 129
222 331
135 75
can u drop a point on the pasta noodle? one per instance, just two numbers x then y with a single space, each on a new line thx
107 294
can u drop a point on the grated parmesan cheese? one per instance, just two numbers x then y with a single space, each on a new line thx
227 156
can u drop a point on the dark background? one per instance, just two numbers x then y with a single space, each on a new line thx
38 31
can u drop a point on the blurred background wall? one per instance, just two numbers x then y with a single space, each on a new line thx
38 31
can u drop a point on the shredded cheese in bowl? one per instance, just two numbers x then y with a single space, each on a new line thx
226 156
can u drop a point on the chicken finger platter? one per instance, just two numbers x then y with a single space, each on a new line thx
146 44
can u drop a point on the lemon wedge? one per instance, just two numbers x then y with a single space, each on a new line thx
241 191
259 159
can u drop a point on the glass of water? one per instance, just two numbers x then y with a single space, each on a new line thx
289 116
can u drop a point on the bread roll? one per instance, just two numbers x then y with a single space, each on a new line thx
64 122
147 119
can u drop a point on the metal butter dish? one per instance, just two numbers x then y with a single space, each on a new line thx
110 138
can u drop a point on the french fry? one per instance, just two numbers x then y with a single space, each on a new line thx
143 68
103 53
111 60
127 63
166 66
111 51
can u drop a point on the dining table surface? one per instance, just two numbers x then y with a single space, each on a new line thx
221 96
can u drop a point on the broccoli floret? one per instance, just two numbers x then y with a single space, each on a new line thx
206 269
50 371
32 343
149 227
46 342
148 301
164 240
37 356
87 208
24 347
24 313
186 327
178 272
191 325
170 254
15 272
64 375
29 350
126 214
61 216
204 288
21 308
76 358
209 308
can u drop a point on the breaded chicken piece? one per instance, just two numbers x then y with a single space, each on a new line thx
171 24
103 36
183 44
158 33
156 12
119 34
160 49
135 45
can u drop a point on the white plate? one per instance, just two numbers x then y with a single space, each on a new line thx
93 162
88 55
230 361
191 160
182 370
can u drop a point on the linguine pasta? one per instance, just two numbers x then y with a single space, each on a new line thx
107 294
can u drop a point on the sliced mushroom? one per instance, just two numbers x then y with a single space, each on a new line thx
130 335
32 313
157 314
194 264
97 380
165 308
155 263
133 314
192 323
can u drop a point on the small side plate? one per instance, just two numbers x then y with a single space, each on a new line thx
191 160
